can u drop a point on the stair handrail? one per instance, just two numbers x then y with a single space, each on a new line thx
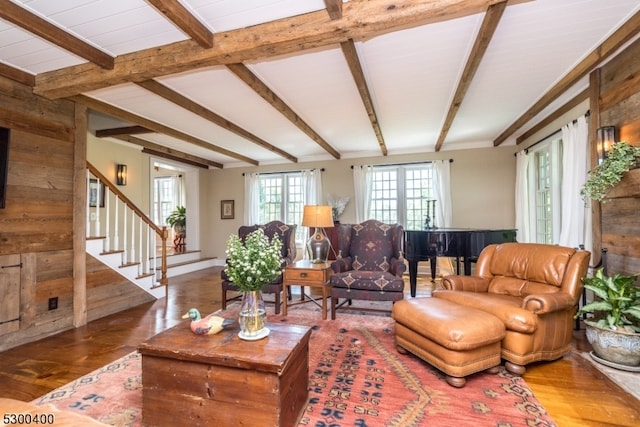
162 232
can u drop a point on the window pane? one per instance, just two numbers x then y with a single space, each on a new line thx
544 217
419 199
384 193
281 199
403 194
270 199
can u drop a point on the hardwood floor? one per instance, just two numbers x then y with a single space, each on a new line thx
574 392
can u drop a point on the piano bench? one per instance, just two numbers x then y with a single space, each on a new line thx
457 340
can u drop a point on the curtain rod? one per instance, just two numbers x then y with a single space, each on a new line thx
408 163
275 173
574 121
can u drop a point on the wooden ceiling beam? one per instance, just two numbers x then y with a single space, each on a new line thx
573 102
622 35
165 152
351 55
17 75
268 95
45 29
116 112
195 108
185 20
334 8
361 20
483 39
127 130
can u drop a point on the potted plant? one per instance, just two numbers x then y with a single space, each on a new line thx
251 264
178 220
620 159
615 335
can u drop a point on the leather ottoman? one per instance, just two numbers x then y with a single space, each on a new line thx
457 340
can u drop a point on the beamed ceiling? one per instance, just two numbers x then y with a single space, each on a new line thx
228 83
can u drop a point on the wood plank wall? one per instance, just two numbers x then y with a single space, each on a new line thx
37 222
619 104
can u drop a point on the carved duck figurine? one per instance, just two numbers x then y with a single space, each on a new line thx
209 325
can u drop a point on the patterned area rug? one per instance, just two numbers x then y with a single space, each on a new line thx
357 378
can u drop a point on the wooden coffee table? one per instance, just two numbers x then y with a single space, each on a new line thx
221 380
305 273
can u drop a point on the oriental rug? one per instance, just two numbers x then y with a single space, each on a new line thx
356 378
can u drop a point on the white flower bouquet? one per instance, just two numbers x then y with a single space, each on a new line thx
254 263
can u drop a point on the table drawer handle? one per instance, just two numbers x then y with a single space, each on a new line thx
303 274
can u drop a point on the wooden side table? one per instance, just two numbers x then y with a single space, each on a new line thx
305 273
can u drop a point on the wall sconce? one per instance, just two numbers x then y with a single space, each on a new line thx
318 244
605 138
121 174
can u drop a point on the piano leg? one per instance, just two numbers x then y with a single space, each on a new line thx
413 276
433 263
467 266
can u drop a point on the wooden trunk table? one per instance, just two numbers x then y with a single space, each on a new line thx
206 380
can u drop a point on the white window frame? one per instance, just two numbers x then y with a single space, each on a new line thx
290 205
552 148
396 206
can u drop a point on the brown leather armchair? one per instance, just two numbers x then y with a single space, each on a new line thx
533 288
287 235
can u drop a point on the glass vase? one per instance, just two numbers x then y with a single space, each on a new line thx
252 316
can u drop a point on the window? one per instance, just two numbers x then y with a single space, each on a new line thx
164 201
402 194
544 220
281 199
545 191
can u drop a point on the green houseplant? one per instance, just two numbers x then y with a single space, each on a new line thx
251 264
615 335
178 220
620 159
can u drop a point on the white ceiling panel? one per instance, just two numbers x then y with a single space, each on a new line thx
523 62
322 92
411 71
225 15
413 75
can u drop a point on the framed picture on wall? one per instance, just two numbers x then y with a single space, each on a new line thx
227 209
96 188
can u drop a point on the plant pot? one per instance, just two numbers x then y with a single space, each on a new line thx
180 230
252 317
618 347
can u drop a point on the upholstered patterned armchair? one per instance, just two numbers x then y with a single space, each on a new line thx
369 265
287 235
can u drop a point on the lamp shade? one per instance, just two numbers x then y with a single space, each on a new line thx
317 216
318 245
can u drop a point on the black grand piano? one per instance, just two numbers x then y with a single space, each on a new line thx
461 243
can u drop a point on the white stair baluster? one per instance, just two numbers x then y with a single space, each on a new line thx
132 255
116 242
107 212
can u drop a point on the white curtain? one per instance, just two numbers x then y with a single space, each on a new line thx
312 184
523 210
573 228
362 179
442 189
251 198
178 190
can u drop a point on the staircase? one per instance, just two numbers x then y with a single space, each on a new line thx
123 238
186 262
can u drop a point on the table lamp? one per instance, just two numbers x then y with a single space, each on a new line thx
318 216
